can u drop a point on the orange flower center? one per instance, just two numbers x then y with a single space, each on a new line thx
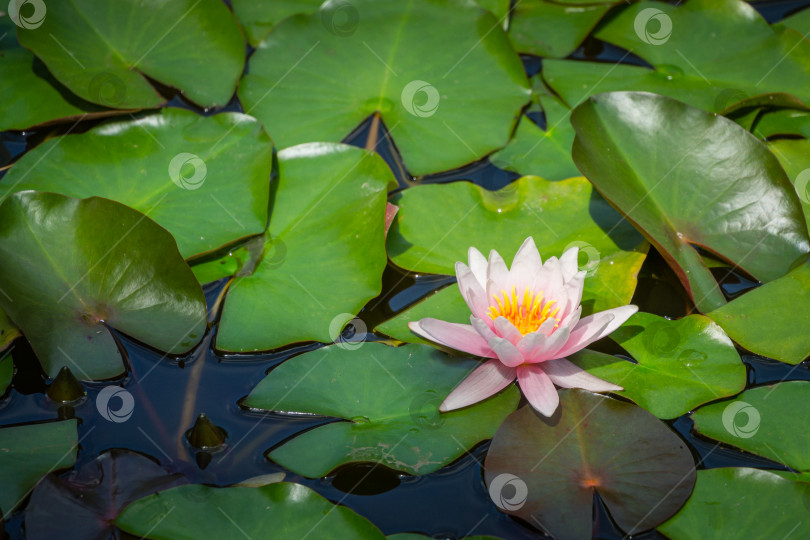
527 314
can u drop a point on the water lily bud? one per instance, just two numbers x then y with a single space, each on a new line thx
65 388
205 435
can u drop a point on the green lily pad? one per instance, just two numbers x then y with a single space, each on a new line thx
612 285
390 397
324 246
715 65
552 29
73 267
537 471
767 420
799 21
275 511
105 52
429 235
29 452
738 503
544 153
667 167
442 76
257 18
783 122
8 331
681 364
794 155
29 94
772 320
6 371
205 179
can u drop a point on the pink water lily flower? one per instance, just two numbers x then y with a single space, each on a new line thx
527 320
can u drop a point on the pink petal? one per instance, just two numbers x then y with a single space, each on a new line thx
461 337
542 347
478 265
488 379
573 289
596 326
538 389
482 326
568 263
507 330
506 352
568 375
572 319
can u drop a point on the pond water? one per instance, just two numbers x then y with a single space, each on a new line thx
450 503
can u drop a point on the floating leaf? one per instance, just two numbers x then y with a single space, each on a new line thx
642 471
257 18
681 364
6 371
783 122
325 246
612 285
545 153
772 320
552 29
74 267
799 21
8 331
205 179
707 53
275 511
430 236
30 451
741 503
449 86
794 155
673 170
767 420
87 501
105 52
390 398
29 94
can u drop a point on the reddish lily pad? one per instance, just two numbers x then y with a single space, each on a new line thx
594 444
87 501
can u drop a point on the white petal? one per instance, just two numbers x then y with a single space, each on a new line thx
525 266
489 378
573 290
497 277
507 353
461 337
568 263
595 327
572 319
507 330
478 265
568 375
538 389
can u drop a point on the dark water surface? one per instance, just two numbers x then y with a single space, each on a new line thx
451 503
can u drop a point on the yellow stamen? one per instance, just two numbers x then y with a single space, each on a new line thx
527 315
